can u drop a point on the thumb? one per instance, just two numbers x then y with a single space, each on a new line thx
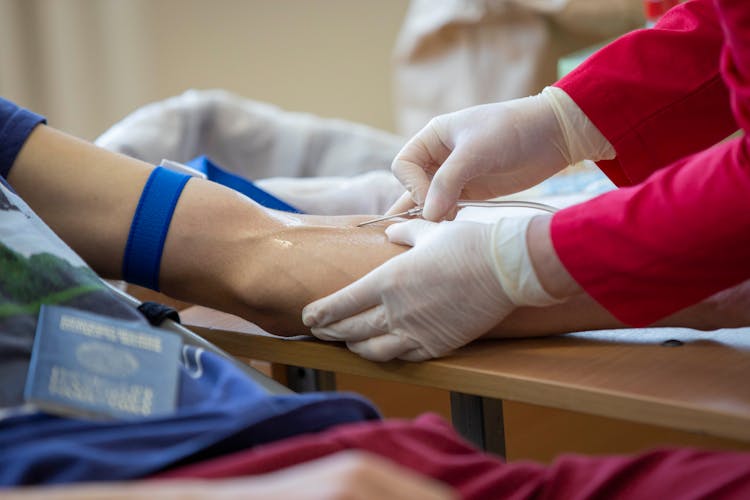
350 300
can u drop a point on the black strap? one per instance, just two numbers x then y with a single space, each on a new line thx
156 313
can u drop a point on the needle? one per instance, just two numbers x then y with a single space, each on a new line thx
409 213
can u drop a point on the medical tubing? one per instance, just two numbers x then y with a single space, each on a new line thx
417 211
148 230
506 203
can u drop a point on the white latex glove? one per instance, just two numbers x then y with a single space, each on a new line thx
459 280
494 149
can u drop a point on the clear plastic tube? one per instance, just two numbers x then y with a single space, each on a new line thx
506 203
470 203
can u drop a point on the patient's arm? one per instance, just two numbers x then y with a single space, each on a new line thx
222 250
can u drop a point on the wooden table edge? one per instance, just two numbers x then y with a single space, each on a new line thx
443 374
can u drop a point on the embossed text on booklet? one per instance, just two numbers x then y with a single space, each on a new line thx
88 365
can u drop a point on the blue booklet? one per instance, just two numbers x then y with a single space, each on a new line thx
88 365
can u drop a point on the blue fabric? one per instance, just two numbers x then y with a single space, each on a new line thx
16 125
216 174
220 411
148 231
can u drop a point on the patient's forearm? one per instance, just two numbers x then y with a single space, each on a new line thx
273 272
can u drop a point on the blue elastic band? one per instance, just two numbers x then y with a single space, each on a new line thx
217 174
148 231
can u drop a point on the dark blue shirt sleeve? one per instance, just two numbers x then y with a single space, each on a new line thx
16 125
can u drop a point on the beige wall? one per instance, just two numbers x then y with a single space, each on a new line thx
87 63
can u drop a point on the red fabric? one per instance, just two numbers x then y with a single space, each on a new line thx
664 97
429 446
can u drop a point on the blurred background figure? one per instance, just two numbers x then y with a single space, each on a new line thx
459 53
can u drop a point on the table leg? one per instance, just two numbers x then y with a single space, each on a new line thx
480 420
309 380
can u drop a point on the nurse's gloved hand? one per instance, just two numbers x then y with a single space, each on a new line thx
459 280
494 149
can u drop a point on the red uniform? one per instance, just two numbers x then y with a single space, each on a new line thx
429 446
678 230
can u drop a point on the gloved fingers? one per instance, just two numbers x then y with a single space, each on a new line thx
446 187
414 164
367 324
418 354
382 348
350 300
412 175
405 202
409 232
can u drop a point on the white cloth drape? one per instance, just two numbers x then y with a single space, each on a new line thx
319 165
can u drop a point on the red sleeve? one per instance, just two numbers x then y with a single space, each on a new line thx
657 94
646 251
429 445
